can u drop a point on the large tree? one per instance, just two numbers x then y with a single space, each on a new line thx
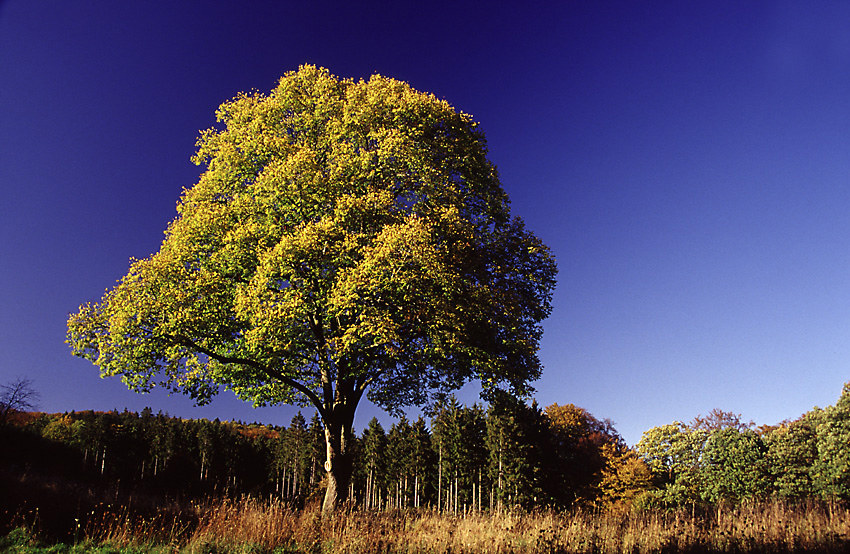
346 237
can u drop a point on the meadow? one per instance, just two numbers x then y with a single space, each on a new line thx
259 526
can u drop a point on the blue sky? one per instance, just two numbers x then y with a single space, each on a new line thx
687 162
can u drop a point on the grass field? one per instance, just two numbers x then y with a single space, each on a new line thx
251 525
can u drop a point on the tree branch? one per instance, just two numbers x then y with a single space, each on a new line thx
272 373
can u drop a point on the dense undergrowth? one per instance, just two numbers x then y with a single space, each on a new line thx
253 525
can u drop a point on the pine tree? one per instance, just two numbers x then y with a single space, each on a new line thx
374 459
424 461
400 451
459 439
515 436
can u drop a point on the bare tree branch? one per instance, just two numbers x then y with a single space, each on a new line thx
17 396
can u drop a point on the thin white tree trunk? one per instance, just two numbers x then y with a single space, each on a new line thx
440 480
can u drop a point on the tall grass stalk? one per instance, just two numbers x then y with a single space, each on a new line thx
252 525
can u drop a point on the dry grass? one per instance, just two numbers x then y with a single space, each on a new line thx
251 525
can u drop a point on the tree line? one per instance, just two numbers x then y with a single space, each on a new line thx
721 458
505 455
462 458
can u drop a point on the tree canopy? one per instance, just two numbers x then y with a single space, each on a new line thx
345 237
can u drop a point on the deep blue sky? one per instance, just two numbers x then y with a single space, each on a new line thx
687 162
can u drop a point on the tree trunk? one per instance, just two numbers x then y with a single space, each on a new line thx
440 480
369 490
338 465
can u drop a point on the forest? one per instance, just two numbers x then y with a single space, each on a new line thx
60 470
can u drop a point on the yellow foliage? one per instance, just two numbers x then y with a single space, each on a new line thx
624 477
343 234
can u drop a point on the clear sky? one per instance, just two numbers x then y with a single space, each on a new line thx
687 162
